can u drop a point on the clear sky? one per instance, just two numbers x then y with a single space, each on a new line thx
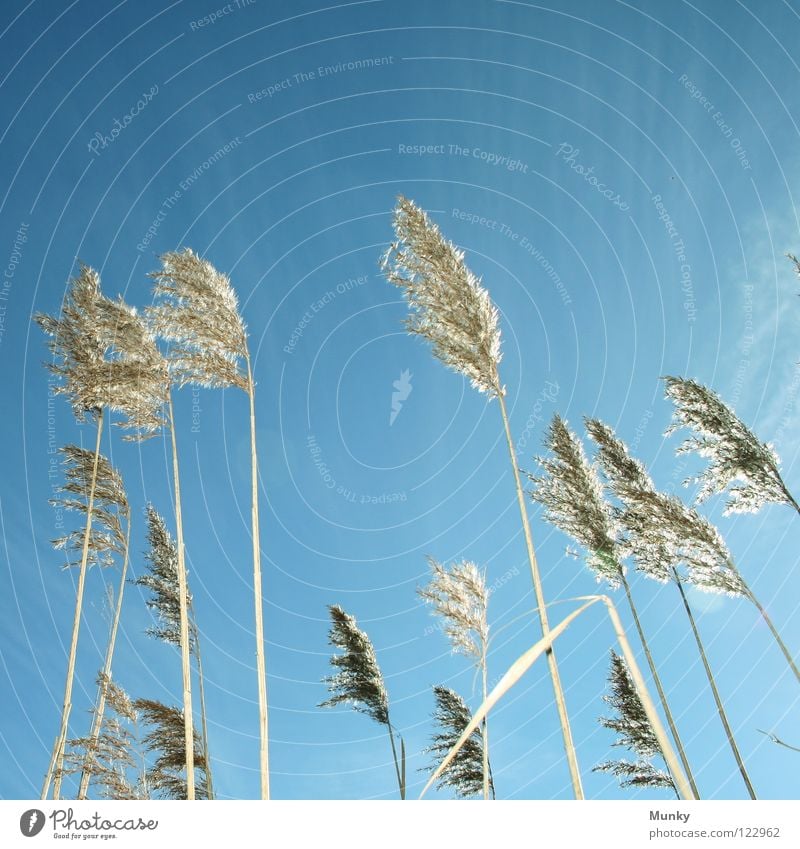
266 141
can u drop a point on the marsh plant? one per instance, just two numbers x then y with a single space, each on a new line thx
449 308
161 580
662 534
104 361
358 681
634 732
574 500
196 311
460 598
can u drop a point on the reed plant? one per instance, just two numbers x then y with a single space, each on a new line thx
358 682
574 500
662 534
103 360
449 308
161 581
634 732
165 741
196 312
460 598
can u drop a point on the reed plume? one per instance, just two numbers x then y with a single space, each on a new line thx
103 359
90 483
465 773
662 534
574 500
358 681
460 598
738 462
633 731
161 579
165 740
109 492
108 757
197 313
449 308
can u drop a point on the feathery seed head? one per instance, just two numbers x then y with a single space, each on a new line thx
659 530
634 732
574 501
105 357
162 581
167 741
358 680
460 597
464 775
106 538
198 314
739 463
448 306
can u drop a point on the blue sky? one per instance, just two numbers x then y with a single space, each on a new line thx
635 167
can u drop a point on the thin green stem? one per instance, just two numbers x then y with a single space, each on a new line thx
715 692
661 694
400 782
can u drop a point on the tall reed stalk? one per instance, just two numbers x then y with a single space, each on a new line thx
662 533
460 598
105 678
523 663
198 314
574 500
162 581
104 361
451 310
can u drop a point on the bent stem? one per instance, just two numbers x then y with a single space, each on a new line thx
558 691
97 721
57 762
261 670
188 721
661 694
712 683
526 660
